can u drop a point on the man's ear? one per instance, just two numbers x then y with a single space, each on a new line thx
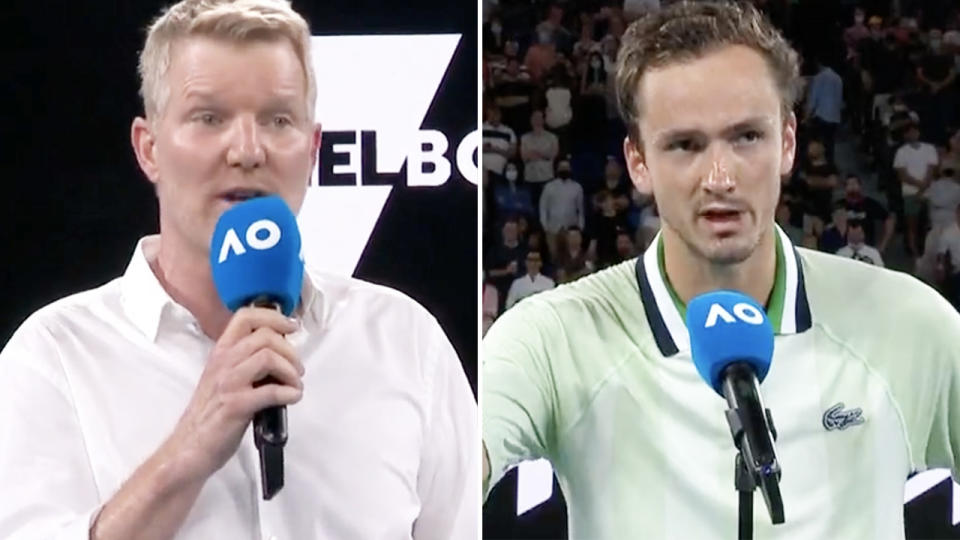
789 144
315 139
637 165
144 146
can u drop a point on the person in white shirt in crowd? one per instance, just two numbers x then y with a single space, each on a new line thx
538 149
125 410
915 163
531 283
561 205
856 249
948 260
499 141
942 196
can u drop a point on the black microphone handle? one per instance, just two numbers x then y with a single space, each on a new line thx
269 424
756 435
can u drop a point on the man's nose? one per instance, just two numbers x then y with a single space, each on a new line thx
246 147
718 177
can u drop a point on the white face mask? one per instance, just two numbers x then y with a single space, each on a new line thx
595 63
858 19
496 28
511 175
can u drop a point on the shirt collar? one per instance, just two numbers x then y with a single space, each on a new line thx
146 302
665 312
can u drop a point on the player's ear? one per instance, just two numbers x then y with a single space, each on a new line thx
144 147
637 165
789 144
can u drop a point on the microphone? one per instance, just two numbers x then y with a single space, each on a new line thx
731 342
255 256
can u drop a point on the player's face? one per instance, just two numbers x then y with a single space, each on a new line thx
235 125
714 146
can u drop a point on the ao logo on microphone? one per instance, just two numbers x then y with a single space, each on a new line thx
261 235
743 311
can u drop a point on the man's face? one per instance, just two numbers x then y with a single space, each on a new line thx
536 120
235 125
855 234
533 263
713 151
493 115
912 134
853 188
574 239
510 231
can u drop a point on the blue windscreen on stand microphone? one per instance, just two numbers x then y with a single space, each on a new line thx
726 327
255 253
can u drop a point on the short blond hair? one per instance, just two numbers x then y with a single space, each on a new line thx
236 21
686 31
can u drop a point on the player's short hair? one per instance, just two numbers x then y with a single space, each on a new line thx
235 21
686 31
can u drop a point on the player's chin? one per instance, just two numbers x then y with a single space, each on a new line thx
728 249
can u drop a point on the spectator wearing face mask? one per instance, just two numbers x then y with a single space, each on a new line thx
561 205
538 149
511 196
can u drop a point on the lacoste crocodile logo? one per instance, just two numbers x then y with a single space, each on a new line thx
835 418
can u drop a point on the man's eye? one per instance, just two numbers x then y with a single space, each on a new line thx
209 119
751 136
281 121
683 145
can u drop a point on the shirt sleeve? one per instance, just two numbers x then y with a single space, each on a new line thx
519 397
899 159
448 481
47 489
943 444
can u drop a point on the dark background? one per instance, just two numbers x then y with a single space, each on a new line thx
75 202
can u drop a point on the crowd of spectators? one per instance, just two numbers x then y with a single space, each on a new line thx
878 79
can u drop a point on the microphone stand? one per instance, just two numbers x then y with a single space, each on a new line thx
748 475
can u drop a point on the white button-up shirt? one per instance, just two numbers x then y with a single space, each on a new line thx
383 444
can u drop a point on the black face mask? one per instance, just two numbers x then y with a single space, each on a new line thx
563 174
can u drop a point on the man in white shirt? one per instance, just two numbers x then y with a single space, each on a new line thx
914 163
538 148
856 249
530 284
499 141
561 205
125 410
943 196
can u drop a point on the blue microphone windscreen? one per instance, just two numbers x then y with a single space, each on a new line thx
726 327
255 252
